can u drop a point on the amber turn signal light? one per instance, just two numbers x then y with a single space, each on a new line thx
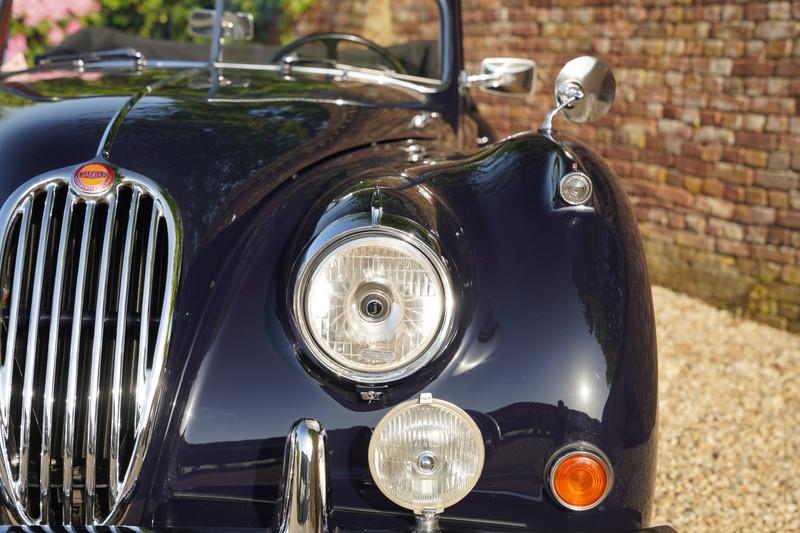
580 476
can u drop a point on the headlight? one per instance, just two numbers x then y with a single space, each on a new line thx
374 304
426 454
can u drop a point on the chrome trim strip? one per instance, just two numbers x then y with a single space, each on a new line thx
213 497
97 352
305 504
349 73
11 342
33 337
74 354
114 125
52 349
144 324
119 346
13 318
216 31
153 381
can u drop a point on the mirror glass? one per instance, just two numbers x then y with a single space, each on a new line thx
597 83
507 76
235 26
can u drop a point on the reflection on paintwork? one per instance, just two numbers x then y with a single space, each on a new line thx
547 345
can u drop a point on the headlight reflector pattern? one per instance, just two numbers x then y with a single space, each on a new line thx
426 454
374 304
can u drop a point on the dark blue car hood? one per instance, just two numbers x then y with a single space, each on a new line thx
216 150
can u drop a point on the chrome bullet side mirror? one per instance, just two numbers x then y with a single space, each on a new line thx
505 76
235 26
584 91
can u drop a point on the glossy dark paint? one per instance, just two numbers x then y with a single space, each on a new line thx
554 337
554 342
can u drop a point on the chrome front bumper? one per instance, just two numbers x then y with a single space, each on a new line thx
304 504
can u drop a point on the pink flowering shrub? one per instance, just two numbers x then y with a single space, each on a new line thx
40 24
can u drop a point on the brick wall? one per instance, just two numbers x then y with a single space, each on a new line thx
386 22
704 131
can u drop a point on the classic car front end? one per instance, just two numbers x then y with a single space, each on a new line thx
305 295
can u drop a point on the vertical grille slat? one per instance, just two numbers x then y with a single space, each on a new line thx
82 348
13 317
52 351
32 344
74 356
119 346
94 391
144 326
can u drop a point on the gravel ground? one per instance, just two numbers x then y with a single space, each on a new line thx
729 452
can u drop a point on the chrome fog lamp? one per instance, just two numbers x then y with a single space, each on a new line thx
426 455
374 304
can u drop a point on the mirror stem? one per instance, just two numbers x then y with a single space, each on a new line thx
570 95
216 35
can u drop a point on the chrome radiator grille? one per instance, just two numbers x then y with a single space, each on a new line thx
87 287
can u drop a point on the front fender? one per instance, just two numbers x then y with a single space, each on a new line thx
555 342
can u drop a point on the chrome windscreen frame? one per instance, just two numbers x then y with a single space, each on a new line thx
446 52
352 228
420 85
122 485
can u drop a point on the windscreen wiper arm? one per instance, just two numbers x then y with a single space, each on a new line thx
293 60
78 60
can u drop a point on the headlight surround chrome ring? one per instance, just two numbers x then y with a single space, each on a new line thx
376 296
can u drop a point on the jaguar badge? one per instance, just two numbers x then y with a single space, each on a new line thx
93 178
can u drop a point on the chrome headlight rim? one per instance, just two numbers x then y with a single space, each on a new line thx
353 229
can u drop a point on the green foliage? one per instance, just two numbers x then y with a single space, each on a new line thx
159 19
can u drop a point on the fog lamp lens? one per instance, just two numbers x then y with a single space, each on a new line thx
426 454
580 479
575 188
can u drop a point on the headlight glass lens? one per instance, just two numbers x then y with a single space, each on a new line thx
374 303
426 455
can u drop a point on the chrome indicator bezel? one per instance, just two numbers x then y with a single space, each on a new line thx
569 450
